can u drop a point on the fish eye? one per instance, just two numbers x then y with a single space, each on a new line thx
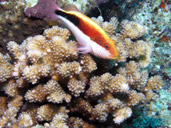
107 46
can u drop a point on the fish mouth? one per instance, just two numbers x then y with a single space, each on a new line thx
114 57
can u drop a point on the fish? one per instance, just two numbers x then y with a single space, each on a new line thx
90 36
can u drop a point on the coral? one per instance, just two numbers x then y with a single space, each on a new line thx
5 68
133 72
76 87
32 111
154 114
3 105
134 98
156 15
34 72
14 25
45 81
154 83
118 84
143 79
46 112
78 122
36 94
87 63
43 9
16 102
147 58
110 26
101 111
95 87
24 120
150 95
83 106
122 114
50 86
99 20
115 103
58 96
69 69
57 31
8 117
98 84
11 89
59 121
132 29
149 14
139 49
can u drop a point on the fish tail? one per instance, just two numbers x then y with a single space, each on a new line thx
57 7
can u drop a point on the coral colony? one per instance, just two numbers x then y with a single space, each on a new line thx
45 83
44 79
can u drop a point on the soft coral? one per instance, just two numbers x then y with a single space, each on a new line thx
44 9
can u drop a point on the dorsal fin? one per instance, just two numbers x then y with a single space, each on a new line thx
71 7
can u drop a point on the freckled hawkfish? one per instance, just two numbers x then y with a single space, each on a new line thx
90 36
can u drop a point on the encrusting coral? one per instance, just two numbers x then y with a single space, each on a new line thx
45 81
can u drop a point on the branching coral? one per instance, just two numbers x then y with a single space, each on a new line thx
118 84
132 29
76 87
3 105
5 68
154 83
98 84
47 81
24 120
46 112
78 122
69 69
122 114
59 121
36 94
14 25
87 63
134 98
58 96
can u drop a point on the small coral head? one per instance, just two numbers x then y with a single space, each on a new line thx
44 9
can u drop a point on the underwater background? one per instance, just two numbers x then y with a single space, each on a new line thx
44 83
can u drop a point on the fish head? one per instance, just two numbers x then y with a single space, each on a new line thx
106 51
112 49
